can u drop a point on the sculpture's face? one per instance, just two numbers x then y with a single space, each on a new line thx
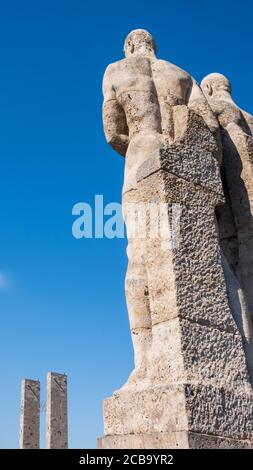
215 83
139 42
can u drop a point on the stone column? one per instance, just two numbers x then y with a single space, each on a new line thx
198 393
56 411
29 436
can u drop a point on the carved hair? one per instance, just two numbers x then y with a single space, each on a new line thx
215 81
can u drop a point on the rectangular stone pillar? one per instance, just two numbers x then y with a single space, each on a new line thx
56 411
29 436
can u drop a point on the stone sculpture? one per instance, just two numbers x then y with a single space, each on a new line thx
140 94
190 386
235 217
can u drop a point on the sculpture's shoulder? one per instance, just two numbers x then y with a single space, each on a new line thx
114 68
248 122
172 69
171 81
220 105
228 112
110 79
247 116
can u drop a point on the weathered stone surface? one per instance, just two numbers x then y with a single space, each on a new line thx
56 412
202 169
181 407
209 355
154 409
171 440
29 436
204 441
187 280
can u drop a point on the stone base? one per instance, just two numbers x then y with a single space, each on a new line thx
171 440
196 408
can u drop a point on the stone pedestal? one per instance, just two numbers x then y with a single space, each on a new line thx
171 440
197 394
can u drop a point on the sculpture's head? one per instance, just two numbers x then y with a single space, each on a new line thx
215 84
140 43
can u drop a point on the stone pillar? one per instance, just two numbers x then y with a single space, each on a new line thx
29 436
198 393
56 411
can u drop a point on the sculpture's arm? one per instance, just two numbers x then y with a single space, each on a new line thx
249 119
198 103
114 119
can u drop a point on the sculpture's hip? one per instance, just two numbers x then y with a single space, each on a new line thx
142 148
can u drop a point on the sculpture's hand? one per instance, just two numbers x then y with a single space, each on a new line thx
115 127
119 143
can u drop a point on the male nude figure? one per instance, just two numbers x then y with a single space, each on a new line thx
235 218
140 93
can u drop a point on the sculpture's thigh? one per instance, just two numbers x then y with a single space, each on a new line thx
137 288
161 282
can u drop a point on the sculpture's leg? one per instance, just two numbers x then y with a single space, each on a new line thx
137 297
239 309
139 315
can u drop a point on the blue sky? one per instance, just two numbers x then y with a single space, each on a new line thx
62 300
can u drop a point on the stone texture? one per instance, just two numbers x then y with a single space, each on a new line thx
171 440
190 377
29 436
56 412
196 407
